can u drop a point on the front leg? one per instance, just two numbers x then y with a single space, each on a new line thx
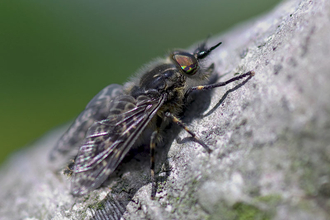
212 86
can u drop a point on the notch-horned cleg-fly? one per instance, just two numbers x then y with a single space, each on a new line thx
135 114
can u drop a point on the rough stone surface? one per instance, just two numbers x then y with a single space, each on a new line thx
270 136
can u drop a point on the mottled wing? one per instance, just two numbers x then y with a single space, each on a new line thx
97 109
108 141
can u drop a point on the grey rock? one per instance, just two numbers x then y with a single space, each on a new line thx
270 137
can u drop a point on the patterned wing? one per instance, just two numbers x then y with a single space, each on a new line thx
108 141
97 109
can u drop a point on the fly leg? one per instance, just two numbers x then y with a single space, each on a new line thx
182 125
153 140
152 162
207 87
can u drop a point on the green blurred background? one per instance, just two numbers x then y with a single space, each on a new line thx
56 55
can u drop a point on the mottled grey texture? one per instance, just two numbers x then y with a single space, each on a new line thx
271 139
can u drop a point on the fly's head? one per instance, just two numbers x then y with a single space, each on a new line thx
191 64
178 73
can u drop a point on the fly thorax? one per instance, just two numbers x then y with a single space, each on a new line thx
155 79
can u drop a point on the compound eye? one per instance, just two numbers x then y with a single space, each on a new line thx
187 62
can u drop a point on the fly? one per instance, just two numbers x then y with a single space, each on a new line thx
119 117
